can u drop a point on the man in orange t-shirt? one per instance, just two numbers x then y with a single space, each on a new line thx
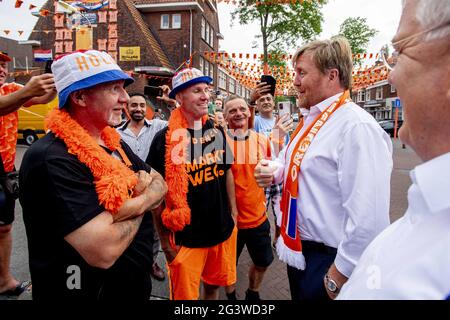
253 226
40 89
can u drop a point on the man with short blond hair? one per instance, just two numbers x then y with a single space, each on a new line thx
335 172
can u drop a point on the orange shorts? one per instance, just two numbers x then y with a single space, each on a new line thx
213 265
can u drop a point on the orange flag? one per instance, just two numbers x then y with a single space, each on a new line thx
44 12
31 7
18 3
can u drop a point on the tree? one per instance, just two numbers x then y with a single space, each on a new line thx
281 25
358 34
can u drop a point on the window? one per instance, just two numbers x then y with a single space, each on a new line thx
392 89
222 80
211 71
361 96
379 93
203 28
201 62
211 37
206 71
231 85
165 21
238 89
207 34
367 95
176 21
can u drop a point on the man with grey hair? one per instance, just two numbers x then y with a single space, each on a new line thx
335 172
411 258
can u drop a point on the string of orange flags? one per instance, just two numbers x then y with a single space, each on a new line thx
287 57
19 3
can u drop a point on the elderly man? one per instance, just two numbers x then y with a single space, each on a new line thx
40 89
84 192
336 175
200 205
138 133
411 258
253 226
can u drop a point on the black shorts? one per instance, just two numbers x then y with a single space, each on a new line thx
7 211
259 244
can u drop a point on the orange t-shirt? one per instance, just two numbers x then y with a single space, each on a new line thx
250 198
8 130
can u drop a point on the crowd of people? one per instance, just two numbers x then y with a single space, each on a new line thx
100 197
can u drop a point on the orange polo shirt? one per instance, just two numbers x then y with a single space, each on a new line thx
250 198
8 130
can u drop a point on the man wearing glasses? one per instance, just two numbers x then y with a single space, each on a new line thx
411 258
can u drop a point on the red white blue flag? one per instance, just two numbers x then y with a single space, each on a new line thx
42 55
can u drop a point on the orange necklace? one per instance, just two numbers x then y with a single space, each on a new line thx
177 213
114 181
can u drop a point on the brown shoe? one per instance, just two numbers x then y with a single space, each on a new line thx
157 272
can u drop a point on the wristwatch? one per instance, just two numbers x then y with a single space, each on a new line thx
331 285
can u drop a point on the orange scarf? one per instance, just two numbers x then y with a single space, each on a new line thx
289 247
177 213
114 181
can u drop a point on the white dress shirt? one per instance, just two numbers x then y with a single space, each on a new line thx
141 143
411 258
344 184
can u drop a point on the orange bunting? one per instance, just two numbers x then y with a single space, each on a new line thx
18 4
31 7
44 13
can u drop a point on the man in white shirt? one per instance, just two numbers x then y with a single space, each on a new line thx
138 133
336 191
411 258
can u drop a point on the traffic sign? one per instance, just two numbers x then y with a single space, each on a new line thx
398 103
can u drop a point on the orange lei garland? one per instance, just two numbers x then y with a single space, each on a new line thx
177 213
114 181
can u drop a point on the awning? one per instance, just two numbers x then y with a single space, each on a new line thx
155 70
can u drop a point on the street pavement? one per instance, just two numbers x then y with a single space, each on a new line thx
275 285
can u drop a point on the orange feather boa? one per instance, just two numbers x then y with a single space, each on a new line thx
114 181
177 213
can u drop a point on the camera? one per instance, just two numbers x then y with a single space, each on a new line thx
48 66
151 91
270 80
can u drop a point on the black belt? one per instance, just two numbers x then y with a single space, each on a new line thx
312 246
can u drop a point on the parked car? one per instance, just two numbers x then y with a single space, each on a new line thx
388 126
31 121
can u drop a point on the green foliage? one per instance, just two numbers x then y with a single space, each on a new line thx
275 58
358 34
282 26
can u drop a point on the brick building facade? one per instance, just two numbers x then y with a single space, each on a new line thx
167 33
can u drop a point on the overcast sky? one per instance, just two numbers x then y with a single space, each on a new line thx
383 15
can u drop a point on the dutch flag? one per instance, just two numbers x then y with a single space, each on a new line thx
42 55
